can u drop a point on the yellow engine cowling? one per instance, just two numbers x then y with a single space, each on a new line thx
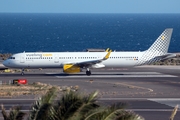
69 68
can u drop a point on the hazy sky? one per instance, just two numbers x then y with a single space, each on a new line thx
90 6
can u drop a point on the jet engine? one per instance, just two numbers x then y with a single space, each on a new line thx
70 68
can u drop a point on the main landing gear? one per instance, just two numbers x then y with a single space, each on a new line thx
22 73
88 72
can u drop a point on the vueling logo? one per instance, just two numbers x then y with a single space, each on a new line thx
39 55
163 37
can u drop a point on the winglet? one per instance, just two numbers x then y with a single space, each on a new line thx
107 50
107 55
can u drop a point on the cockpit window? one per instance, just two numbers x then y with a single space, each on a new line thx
11 57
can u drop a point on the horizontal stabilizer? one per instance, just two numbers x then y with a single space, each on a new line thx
166 56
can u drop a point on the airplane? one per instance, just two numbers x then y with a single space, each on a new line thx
74 62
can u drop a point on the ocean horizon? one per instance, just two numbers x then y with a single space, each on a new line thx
53 32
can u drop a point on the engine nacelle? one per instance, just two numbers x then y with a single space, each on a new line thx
70 68
98 66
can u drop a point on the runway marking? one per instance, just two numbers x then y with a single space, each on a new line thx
22 105
151 99
134 86
168 102
144 110
113 75
150 110
172 102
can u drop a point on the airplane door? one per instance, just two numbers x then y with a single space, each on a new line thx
56 60
99 56
22 59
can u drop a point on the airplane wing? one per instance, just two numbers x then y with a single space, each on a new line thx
166 56
90 62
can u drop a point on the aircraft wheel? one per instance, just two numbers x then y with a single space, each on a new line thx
22 73
88 73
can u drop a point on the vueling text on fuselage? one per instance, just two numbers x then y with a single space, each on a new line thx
39 55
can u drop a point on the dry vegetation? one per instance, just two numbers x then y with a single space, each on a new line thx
36 88
173 61
5 56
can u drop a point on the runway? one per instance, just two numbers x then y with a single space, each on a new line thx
149 109
151 91
116 75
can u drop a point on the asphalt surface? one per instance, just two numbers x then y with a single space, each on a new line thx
151 91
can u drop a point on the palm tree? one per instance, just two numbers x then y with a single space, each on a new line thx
74 106
40 108
14 113
114 112
71 106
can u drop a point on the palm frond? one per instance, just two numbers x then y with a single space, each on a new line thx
14 113
114 110
93 114
174 112
85 104
41 107
73 105
92 97
68 103
88 103
53 114
4 113
127 115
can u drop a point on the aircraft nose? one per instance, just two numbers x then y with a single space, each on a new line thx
5 63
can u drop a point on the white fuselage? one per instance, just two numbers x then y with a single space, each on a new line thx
58 59
73 62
